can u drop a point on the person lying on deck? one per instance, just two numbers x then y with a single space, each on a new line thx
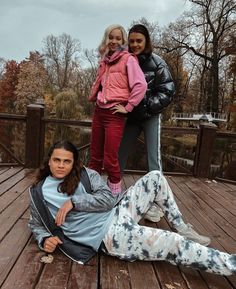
72 208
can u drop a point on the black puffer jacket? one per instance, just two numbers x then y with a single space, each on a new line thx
160 88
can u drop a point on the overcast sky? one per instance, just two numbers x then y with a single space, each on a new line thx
25 23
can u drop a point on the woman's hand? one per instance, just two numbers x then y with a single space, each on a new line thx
63 211
51 243
119 108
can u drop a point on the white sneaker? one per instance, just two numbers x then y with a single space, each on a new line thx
154 214
187 231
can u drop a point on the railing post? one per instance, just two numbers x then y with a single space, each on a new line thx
35 133
204 150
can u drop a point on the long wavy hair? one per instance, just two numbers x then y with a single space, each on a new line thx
102 48
71 181
140 28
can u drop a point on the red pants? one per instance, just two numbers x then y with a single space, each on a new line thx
107 131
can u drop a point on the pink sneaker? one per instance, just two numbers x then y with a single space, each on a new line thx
114 187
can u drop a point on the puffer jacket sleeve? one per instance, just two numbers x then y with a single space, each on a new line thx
161 91
36 226
100 200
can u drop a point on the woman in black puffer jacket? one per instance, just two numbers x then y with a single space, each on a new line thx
146 116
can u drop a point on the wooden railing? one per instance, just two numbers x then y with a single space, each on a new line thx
35 138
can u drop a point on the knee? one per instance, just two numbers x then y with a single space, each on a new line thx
154 174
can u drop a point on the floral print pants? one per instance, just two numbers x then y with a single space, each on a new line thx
128 240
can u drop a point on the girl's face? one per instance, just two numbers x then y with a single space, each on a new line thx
137 42
61 163
115 40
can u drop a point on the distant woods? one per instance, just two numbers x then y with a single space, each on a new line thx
199 48
55 76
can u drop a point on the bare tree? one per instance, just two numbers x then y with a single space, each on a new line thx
2 65
153 28
207 28
60 53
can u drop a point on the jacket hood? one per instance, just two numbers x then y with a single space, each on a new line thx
116 55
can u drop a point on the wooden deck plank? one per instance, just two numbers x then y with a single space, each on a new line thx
230 187
3 169
203 216
142 275
12 213
114 273
217 200
80 274
216 282
14 192
27 270
55 277
12 180
228 193
208 206
4 177
11 247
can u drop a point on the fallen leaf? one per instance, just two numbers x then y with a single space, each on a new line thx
47 259
169 286
124 272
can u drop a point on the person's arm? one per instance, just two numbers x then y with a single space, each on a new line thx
161 90
39 231
97 83
100 200
137 83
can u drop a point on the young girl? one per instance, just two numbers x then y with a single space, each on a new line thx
119 86
146 116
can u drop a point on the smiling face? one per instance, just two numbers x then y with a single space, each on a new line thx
137 42
61 163
115 40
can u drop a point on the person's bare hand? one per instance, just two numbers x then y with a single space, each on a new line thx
51 243
63 211
119 108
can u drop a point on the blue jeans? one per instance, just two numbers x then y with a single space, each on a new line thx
152 131
128 240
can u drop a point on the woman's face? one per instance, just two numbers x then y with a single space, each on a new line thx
137 42
61 163
115 40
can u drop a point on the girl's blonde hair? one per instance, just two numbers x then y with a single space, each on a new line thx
102 48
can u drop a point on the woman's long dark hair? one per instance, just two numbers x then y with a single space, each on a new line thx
140 28
71 181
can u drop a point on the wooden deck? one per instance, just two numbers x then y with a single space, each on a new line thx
209 206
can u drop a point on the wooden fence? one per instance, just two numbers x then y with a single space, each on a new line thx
35 137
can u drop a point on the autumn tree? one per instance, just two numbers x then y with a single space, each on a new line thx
32 81
153 28
8 84
2 65
67 107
